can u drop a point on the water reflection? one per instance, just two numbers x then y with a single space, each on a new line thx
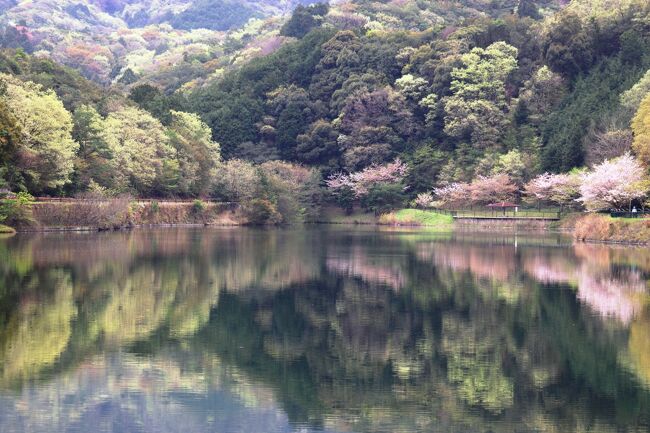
232 330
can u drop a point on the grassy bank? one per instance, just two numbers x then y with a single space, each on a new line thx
416 218
603 228
404 217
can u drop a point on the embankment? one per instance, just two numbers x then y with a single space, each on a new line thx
122 213
496 224
603 228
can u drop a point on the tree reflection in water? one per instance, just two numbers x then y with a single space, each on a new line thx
336 330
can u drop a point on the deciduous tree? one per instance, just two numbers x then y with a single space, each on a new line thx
641 128
477 109
198 156
47 151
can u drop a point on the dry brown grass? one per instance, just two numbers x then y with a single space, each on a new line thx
164 213
123 212
604 228
99 213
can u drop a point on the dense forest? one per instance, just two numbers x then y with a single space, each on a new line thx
453 96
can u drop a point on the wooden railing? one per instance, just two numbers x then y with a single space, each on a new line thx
503 213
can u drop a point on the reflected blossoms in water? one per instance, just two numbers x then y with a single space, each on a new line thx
233 330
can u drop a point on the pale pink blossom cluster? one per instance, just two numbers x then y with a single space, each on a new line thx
482 190
614 184
562 189
454 194
361 181
358 264
609 296
424 200
493 189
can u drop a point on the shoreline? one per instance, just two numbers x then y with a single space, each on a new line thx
587 228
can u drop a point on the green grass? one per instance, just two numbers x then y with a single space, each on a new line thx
6 230
416 217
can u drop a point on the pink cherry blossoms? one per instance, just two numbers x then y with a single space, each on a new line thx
483 190
362 181
561 189
614 184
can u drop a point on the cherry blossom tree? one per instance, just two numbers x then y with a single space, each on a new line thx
453 195
560 189
424 200
614 184
492 189
362 181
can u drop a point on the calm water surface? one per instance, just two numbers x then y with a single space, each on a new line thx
322 330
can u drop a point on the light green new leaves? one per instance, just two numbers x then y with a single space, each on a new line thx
139 146
477 109
47 149
197 155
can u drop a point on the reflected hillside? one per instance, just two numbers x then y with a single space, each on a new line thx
330 330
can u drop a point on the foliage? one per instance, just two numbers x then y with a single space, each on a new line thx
384 197
304 19
17 211
476 109
45 155
483 190
632 98
213 14
261 211
462 95
143 158
197 155
93 162
641 128
68 84
593 96
278 191
198 206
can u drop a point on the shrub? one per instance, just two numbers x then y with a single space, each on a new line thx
197 207
345 200
262 212
384 198
424 200
17 211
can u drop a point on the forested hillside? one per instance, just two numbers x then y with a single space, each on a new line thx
459 92
452 101
120 41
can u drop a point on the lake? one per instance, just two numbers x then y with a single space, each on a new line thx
322 330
